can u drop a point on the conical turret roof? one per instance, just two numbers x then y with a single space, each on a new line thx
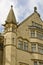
11 17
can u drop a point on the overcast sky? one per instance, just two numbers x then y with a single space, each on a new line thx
22 9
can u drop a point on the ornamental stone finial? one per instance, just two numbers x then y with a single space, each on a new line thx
11 6
35 8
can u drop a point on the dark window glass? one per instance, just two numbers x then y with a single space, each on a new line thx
25 46
20 44
32 33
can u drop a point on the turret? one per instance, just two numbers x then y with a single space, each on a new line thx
10 34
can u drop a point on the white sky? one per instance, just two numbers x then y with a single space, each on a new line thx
22 8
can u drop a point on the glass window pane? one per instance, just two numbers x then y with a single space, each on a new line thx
33 47
25 46
40 49
32 33
20 44
35 63
39 35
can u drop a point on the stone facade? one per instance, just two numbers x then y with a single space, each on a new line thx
22 44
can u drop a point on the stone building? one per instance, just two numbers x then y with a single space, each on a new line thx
22 44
